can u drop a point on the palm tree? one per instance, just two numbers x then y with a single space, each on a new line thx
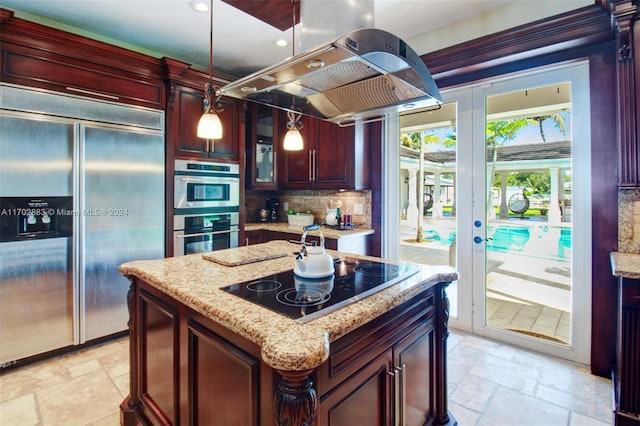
498 133
558 122
418 141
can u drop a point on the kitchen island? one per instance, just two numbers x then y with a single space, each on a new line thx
200 355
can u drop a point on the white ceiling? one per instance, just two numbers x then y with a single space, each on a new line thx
243 44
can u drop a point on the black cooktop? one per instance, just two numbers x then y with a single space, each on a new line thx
304 299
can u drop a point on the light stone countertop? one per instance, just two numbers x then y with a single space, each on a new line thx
328 232
626 265
285 344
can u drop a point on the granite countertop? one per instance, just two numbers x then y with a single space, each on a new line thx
626 265
285 344
327 231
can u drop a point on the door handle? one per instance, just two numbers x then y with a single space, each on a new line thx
478 240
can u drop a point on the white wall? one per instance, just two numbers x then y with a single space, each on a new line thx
518 13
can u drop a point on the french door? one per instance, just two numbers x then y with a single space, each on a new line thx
507 175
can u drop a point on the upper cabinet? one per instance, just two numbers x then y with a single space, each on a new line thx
38 56
262 136
332 158
184 115
185 93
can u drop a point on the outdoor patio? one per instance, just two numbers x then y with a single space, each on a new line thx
528 272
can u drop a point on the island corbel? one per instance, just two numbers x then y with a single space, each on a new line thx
296 400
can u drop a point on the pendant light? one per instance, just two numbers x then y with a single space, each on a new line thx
210 126
293 139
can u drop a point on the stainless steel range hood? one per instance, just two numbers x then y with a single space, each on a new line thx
364 74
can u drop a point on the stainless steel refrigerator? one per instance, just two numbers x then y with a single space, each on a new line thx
81 192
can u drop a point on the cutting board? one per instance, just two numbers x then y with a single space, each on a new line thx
243 255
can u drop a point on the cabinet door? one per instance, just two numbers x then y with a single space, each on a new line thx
186 114
366 396
254 237
333 156
219 368
327 160
262 145
415 357
228 147
158 386
295 171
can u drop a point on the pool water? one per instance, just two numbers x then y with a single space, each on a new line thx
534 239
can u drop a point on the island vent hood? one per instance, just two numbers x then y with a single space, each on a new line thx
365 74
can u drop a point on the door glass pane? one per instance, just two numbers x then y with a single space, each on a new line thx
528 247
264 145
428 190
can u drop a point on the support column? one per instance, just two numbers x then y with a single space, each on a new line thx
554 202
504 209
412 208
453 207
437 196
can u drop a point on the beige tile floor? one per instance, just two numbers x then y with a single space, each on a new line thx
490 383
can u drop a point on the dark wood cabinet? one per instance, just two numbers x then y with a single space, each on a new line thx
413 362
627 372
188 369
367 397
262 147
186 112
329 243
332 158
34 55
356 244
254 237
393 380
220 368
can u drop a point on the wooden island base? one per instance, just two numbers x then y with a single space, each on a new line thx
187 369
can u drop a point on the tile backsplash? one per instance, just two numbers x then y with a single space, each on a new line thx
315 201
629 220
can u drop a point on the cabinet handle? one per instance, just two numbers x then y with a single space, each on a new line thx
399 394
396 396
315 168
403 389
310 165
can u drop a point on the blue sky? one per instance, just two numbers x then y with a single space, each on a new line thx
528 135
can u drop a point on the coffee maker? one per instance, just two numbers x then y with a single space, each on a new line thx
273 205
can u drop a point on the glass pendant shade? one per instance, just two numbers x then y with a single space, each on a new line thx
210 126
293 140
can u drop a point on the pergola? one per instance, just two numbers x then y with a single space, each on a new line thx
552 156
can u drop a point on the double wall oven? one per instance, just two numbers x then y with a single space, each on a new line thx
206 206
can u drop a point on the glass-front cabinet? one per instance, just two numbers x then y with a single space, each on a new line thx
262 148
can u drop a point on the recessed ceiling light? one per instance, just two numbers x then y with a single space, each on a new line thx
313 64
199 5
281 42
